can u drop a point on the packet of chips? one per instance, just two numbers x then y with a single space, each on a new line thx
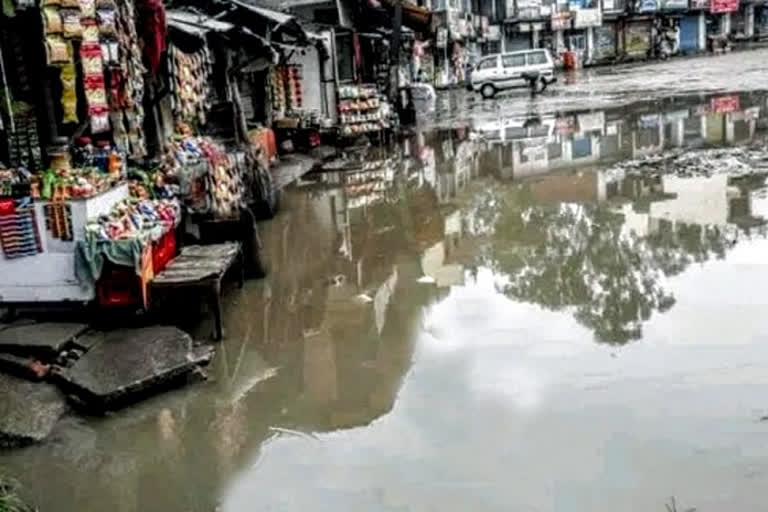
71 23
69 93
56 51
52 21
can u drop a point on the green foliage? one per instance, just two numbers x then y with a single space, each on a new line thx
579 257
10 500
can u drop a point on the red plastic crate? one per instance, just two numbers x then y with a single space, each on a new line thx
118 286
163 251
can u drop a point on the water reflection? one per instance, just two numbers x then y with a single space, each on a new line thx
531 208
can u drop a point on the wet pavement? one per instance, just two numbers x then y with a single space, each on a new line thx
516 313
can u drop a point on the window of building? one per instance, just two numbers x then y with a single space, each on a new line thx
346 61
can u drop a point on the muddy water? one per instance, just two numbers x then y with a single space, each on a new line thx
501 316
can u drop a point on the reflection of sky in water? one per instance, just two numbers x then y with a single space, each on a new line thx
512 407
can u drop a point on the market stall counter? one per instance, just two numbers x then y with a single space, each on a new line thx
39 242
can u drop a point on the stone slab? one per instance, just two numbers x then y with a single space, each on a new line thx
127 363
87 340
43 340
28 411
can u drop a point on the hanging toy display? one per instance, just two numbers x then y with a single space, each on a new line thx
277 88
293 84
122 55
190 77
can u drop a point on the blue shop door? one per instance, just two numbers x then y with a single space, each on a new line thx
689 34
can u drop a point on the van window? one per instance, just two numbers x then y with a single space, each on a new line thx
487 64
537 58
513 61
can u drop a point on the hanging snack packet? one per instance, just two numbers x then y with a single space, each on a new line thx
99 120
107 21
88 8
52 21
69 93
71 23
90 58
56 51
90 31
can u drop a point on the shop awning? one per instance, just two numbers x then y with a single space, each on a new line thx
201 25
196 24
267 22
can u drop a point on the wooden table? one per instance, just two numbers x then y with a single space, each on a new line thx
202 266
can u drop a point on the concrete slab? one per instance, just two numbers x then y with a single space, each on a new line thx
28 411
43 340
129 363
86 341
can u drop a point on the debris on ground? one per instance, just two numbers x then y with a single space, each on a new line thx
734 161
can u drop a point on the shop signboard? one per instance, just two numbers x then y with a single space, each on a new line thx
725 104
700 4
584 18
528 9
593 122
637 39
609 5
649 121
441 41
674 5
647 6
677 115
720 6
494 33
605 41
561 20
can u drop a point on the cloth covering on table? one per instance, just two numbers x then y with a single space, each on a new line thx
90 255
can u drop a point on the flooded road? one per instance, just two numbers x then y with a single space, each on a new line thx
519 313
613 86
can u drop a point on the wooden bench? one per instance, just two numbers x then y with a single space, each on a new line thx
202 267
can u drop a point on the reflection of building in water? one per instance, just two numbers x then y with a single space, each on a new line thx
708 201
529 146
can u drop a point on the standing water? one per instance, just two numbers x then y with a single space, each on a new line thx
531 313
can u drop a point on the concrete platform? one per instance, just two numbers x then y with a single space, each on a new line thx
126 364
28 411
44 340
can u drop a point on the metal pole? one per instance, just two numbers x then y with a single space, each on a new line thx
7 92
394 55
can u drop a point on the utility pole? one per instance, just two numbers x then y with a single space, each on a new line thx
394 56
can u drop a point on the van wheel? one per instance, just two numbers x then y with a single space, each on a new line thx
488 91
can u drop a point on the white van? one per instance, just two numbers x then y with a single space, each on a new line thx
508 70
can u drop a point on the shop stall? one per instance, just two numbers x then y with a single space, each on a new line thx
74 124
362 110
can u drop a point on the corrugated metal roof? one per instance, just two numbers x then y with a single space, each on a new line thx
198 24
278 17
